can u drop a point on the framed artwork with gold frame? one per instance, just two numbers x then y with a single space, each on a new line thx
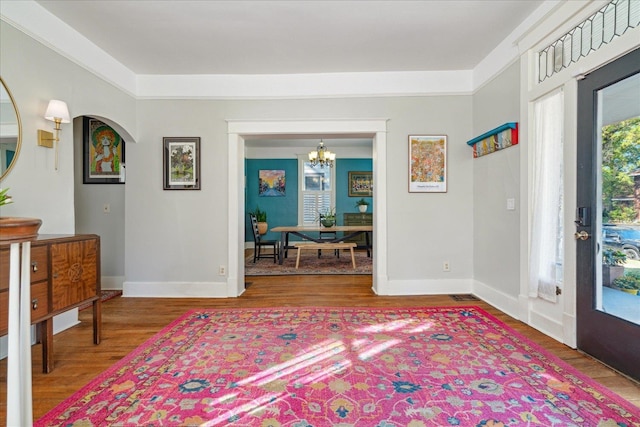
360 184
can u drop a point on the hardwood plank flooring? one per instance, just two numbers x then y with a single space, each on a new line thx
129 322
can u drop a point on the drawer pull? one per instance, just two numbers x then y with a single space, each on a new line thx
34 303
34 266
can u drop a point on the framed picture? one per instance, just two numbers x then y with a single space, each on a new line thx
181 158
360 184
427 163
271 183
102 153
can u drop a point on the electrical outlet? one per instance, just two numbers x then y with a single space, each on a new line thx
446 266
222 270
106 208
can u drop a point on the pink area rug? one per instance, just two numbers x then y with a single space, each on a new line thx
303 367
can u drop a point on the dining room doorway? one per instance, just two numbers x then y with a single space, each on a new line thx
239 130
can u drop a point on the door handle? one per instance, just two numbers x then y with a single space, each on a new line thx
581 235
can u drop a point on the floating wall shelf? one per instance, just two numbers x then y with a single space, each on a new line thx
497 139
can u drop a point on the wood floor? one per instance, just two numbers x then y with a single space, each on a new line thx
128 322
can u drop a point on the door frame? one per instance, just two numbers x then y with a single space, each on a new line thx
591 323
238 129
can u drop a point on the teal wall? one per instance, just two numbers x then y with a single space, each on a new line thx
284 210
344 203
280 210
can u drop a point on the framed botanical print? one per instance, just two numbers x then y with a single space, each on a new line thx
427 163
181 159
102 153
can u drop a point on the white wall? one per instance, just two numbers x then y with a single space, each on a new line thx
179 238
496 178
35 74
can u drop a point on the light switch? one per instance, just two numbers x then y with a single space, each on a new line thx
511 204
106 208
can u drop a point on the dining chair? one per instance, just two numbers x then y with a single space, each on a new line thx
259 243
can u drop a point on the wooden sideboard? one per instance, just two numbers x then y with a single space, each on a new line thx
65 274
350 218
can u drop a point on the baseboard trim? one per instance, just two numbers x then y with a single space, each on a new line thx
112 283
546 325
503 302
424 287
569 324
66 320
175 289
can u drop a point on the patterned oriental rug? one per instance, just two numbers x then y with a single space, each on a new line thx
303 367
328 263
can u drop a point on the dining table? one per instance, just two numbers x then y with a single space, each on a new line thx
312 233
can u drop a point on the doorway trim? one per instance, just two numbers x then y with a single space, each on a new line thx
237 130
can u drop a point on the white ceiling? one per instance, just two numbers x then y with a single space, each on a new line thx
290 37
223 38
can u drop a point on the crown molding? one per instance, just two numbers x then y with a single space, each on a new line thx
41 25
325 85
35 21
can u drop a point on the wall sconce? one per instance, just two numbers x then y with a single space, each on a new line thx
58 113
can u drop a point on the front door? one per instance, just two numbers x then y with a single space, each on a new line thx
608 214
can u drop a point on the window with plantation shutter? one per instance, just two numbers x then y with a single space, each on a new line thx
316 192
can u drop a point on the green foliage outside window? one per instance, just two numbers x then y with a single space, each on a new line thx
620 157
627 281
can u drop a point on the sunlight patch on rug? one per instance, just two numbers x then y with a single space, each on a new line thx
303 367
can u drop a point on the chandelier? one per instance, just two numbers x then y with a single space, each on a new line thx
321 156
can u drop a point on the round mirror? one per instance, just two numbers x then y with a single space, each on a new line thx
10 131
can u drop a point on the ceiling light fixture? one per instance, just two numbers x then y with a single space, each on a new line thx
321 156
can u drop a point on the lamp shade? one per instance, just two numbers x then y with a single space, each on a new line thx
57 110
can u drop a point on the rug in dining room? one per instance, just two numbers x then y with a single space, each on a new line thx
327 263
358 366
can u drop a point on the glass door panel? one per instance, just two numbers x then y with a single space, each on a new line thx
608 214
618 188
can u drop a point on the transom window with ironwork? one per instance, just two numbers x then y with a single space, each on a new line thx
610 22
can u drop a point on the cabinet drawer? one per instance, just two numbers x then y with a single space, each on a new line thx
358 219
39 298
39 265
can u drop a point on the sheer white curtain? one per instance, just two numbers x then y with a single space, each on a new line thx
546 232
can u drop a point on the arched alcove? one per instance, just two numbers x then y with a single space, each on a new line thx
100 207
